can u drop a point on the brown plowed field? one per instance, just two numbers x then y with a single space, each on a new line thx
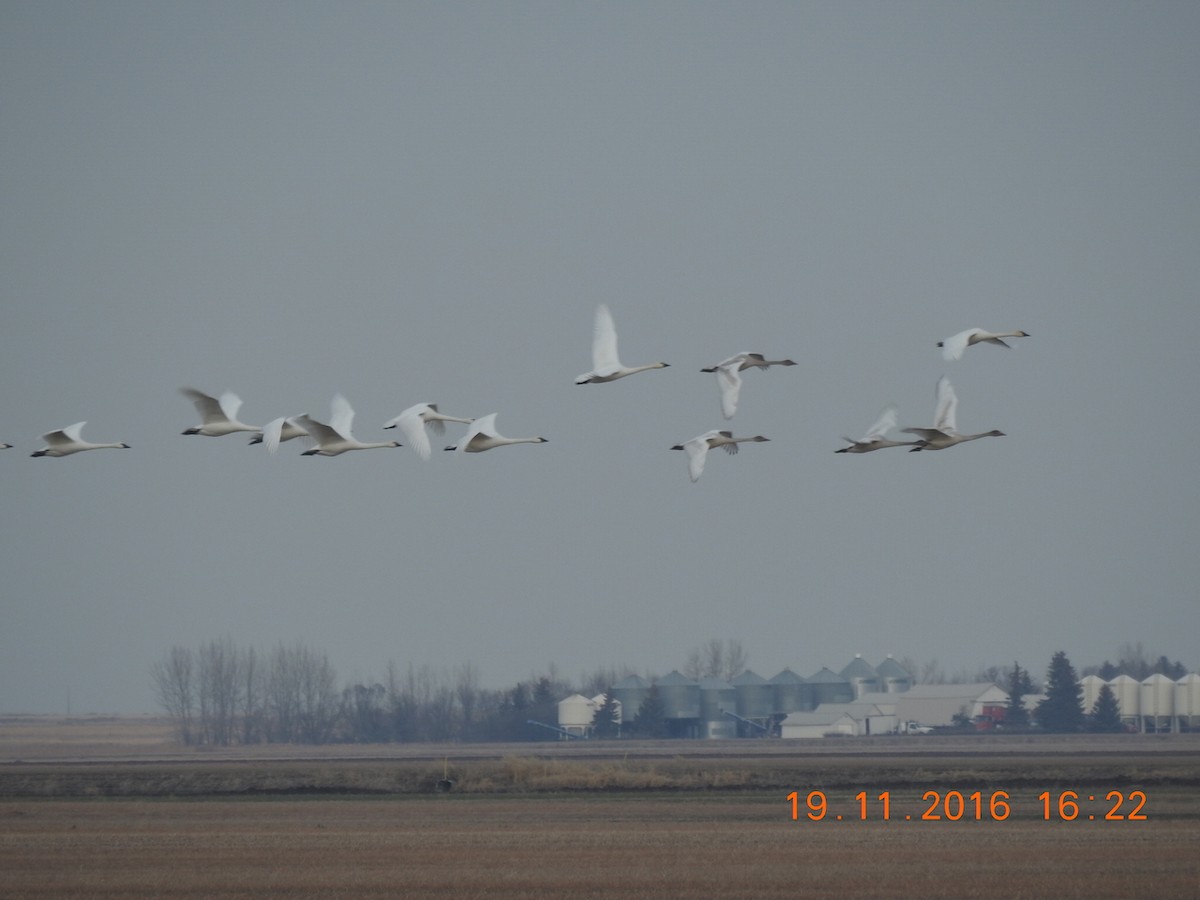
94 814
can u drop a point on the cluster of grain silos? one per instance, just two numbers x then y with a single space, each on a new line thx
1155 704
748 705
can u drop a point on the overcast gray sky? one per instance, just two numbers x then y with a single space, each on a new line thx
426 201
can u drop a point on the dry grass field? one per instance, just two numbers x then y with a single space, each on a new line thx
103 818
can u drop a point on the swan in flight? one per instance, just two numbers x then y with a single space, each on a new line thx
219 415
953 347
697 448
750 361
605 364
278 430
67 441
417 421
5 446
944 432
729 376
874 438
482 435
335 438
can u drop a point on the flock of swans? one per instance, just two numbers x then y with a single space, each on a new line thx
218 415
944 431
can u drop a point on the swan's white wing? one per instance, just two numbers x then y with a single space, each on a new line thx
272 433
953 347
885 423
433 419
730 380
341 416
64 436
229 404
484 425
208 407
413 426
319 431
604 342
697 451
947 403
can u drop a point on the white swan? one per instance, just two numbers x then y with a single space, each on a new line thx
697 448
278 430
605 364
335 438
67 441
944 432
417 421
953 347
874 438
5 446
750 361
729 377
482 435
219 415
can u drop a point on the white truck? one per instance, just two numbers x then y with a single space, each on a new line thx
915 728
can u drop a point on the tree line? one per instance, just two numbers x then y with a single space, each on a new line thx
221 694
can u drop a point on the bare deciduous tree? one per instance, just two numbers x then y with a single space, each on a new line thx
172 678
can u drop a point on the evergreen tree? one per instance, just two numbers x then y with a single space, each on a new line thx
607 722
1106 714
651 719
1062 710
1016 716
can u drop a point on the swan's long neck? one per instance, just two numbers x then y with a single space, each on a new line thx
633 370
521 440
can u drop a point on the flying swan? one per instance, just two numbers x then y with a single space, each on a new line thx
697 448
482 435
944 432
605 364
219 415
953 347
874 438
335 438
729 378
67 441
417 421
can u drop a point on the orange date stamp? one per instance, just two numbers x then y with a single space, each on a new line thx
977 806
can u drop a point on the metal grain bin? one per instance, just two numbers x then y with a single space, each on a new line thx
862 677
754 695
680 696
717 697
829 687
1158 702
893 677
630 692
790 693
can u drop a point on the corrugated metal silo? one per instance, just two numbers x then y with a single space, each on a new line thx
862 676
630 692
754 695
790 693
829 687
680 696
893 677
575 713
717 697
1091 690
1129 698
1158 702
1187 701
